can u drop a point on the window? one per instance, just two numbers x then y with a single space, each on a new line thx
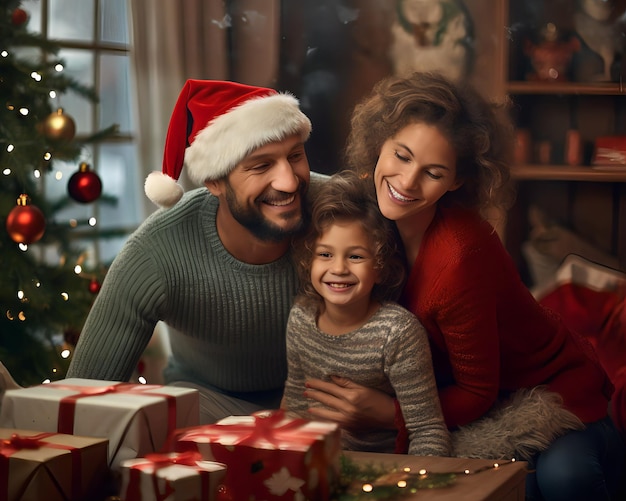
95 45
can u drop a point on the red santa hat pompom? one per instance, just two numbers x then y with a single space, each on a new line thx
216 124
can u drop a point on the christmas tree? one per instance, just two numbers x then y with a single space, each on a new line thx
46 289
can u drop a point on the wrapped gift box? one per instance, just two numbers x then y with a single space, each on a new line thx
171 476
269 456
51 466
136 419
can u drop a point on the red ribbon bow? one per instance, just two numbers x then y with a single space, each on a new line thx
17 442
157 461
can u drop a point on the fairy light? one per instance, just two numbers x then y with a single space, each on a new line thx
385 484
4 53
78 269
37 173
58 67
7 172
10 148
24 111
65 353
73 223
52 94
46 381
92 221
21 295
36 76
47 155
58 175
21 316
23 247
142 380
65 296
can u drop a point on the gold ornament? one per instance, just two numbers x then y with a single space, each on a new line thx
58 126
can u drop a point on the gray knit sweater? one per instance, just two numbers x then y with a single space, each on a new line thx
226 319
390 353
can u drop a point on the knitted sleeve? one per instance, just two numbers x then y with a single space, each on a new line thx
409 367
122 319
293 399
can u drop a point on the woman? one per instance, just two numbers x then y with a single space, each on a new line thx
437 156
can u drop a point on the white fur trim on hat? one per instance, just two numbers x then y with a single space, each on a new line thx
162 189
229 138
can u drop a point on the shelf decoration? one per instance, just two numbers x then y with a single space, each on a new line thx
551 58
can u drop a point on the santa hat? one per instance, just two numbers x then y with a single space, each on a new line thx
216 124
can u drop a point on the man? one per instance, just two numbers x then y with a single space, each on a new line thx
215 265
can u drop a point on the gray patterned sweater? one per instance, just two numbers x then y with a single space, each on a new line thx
226 319
390 353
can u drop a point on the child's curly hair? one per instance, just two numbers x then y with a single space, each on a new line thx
347 197
479 130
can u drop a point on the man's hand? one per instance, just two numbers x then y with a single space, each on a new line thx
350 405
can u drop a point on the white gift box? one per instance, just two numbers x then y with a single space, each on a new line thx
136 419
171 477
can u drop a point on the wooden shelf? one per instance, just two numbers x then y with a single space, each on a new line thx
570 88
567 173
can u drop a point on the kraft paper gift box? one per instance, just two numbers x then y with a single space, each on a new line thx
269 456
136 419
172 477
51 466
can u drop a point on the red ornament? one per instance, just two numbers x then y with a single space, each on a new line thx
25 223
94 286
19 17
84 186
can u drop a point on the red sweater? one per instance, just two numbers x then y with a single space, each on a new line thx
488 335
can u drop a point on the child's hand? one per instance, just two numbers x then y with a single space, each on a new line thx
351 405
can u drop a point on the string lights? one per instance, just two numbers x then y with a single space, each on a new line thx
361 482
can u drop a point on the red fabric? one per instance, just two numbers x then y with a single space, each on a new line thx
599 315
488 334
618 402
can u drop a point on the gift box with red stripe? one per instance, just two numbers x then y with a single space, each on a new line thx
172 477
51 466
136 419
269 456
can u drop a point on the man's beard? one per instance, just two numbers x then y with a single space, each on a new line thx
253 219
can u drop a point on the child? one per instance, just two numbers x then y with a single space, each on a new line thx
343 323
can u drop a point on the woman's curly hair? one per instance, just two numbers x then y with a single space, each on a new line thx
480 131
347 197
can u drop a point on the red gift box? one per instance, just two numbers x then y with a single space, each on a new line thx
136 419
172 477
269 456
51 466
